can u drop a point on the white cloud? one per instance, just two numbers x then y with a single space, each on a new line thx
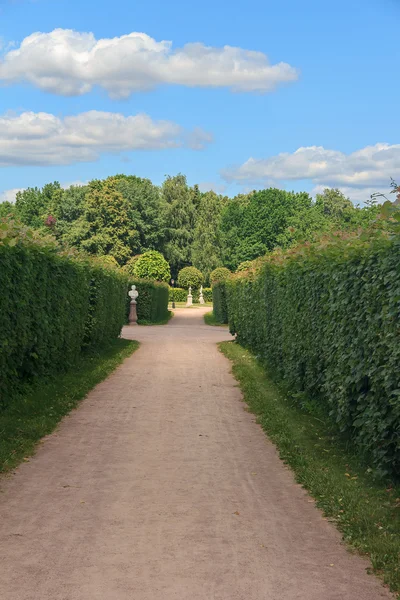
44 139
371 166
71 63
9 195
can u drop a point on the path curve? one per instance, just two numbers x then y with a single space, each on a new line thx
160 486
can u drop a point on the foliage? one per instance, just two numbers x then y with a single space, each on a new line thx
146 211
37 411
180 295
220 308
325 318
180 218
130 264
206 248
52 306
190 277
363 509
151 265
107 228
246 264
152 301
220 274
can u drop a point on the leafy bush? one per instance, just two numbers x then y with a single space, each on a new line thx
180 295
246 264
151 265
326 318
152 302
220 308
219 274
190 277
51 307
129 266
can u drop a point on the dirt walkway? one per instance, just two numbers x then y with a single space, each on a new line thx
161 487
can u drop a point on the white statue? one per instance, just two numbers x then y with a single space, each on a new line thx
189 298
201 299
133 294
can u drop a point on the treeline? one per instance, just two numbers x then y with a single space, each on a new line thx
124 216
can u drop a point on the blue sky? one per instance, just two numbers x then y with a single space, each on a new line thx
327 116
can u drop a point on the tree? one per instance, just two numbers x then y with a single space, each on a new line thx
220 274
251 225
334 205
145 210
33 205
190 277
206 248
105 226
180 217
7 209
151 265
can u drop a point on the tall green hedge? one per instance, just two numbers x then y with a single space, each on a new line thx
220 308
152 302
327 320
51 309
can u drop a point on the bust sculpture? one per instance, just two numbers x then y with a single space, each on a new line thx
133 294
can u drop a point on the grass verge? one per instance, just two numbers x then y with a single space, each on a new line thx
162 322
38 412
210 319
367 512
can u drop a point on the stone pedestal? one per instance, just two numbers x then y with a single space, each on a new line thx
132 314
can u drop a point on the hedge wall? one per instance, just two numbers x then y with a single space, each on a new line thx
180 294
220 309
51 308
327 320
152 302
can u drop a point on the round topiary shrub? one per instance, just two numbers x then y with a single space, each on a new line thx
129 266
151 265
190 277
219 274
246 264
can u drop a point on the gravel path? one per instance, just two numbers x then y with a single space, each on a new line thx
162 487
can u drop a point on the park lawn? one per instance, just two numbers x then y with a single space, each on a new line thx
41 408
365 510
210 319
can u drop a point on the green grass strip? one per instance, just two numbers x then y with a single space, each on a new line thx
366 511
210 319
162 322
41 408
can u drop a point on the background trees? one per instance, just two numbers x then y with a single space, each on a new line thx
206 247
125 216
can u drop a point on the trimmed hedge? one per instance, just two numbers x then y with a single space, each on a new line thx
152 302
180 295
220 308
327 320
51 309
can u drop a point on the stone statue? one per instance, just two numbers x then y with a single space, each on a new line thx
190 297
201 299
133 294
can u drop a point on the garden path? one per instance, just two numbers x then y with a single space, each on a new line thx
161 486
